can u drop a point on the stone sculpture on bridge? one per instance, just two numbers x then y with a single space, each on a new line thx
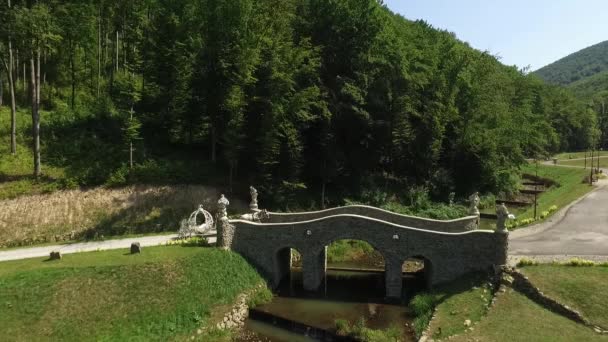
189 227
502 214
254 199
256 216
222 204
473 204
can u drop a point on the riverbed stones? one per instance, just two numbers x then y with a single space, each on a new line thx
135 248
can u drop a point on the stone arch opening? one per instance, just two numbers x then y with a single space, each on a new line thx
355 269
417 271
288 269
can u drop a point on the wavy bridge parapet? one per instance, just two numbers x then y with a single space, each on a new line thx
447 255
449 226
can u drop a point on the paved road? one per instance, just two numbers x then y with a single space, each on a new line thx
34 252
582 231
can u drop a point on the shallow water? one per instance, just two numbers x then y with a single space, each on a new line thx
349 295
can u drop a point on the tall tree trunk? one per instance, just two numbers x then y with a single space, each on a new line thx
213 144
1 90
11 85
35 117
131 142
72 75
99 55
117 45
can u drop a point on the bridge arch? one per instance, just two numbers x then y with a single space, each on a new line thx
283 262
446 255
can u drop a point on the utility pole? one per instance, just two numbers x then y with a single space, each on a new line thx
591 174
536 189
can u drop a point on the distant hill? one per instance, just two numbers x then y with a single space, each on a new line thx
577 67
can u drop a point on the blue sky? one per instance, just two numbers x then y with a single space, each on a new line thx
521 32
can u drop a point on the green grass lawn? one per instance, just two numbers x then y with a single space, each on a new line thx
581 163
582 288
515 318
570 187
466 298
165 293
576 155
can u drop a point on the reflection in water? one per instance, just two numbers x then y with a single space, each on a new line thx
349 295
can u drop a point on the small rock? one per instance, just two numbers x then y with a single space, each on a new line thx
597 330
199 331
55 255
467 323
135 248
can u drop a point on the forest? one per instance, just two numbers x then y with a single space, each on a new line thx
317 98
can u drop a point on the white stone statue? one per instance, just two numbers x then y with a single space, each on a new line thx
256 216
502 214
473 204
222 204
188 227
254 199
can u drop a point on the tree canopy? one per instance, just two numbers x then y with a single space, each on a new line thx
290 94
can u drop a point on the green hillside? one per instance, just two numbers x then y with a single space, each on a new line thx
590 86
578 66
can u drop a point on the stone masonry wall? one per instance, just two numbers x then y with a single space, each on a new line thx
449 255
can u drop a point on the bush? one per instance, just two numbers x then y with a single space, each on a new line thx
527 262
422 306
578 262
361 333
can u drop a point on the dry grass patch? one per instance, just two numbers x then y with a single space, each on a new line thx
89 214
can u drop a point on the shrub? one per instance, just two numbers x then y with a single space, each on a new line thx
422 306
259 297
553 208
577 262
361 333
527 262
544 214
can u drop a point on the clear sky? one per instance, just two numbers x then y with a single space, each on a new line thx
522 32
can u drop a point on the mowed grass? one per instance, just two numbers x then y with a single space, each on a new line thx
166 293
577 155
455 302
582 288
515 318
581 163
570 187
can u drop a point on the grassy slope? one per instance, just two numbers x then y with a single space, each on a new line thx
163 293
466 298
582 288
577 155
581 163
515 318
571 187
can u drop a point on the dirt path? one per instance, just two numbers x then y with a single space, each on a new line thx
35 252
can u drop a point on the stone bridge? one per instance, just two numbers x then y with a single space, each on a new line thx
449 249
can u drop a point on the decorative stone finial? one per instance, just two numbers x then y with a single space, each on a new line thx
502 214
222 204
473 204
254 199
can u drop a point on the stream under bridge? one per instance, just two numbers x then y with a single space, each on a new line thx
450 249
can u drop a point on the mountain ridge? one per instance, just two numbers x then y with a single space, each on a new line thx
577 67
